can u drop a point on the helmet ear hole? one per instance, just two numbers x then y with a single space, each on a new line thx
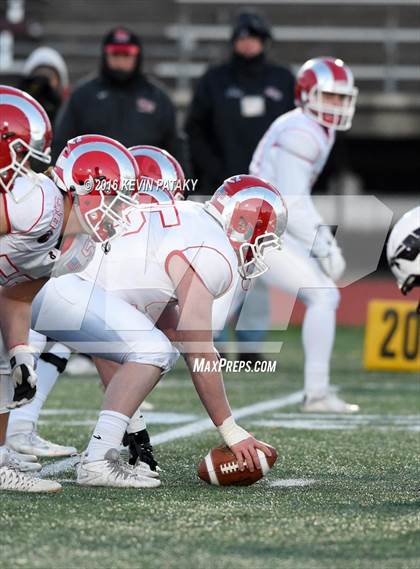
102 198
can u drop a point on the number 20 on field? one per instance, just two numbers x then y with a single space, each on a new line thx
392 338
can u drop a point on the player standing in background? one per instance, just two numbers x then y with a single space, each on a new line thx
291 155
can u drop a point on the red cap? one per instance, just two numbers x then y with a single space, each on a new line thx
122 49
121 41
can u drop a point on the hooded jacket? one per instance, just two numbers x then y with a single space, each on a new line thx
49 57
134 112
233 105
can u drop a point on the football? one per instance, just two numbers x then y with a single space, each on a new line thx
220 468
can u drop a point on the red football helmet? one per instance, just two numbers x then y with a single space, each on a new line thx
253 215
158 165
101 176
326 75
25 132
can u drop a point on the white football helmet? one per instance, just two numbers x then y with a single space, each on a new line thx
403 250
322 76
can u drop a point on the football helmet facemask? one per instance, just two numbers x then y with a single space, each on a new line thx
101 176
25 132
254 216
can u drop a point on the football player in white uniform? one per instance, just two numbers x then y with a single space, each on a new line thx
172 262
157 167
403 251
291 155
35 215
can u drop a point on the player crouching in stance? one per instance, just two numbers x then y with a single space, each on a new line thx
291 155
403 251
172 263
160 168
25 134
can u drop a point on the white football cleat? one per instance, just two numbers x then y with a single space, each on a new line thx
14 480
144 469
112 471
24 439
24 462
331 403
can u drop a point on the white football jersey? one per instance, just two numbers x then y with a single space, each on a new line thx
135 268
29 250
291 155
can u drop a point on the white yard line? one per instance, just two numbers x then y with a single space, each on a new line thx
202 425
152 418
291 483
58 466
194 428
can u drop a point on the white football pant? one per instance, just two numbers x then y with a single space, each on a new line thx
295 272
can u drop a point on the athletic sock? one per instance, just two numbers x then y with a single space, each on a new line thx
137 423
318 334
107 434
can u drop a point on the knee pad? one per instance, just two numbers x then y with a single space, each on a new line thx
7 390
164 355
164 360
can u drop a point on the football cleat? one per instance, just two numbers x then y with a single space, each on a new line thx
24 462
143 469
13 479
328 404
140 453
113 472
24 439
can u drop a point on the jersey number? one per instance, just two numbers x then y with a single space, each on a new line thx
156 200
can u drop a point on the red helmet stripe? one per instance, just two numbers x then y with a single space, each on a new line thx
339 72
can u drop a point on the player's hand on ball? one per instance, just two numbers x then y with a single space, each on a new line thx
246 453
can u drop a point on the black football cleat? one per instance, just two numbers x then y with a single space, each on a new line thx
140 450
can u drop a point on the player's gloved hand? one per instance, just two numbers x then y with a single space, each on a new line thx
23 360
243 445
328 253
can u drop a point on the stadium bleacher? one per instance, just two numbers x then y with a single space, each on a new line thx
378 38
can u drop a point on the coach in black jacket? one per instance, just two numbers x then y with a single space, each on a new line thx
234 104
120 102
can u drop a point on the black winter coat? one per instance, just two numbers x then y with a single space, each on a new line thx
233 105
139 112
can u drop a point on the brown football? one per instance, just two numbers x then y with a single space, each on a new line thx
220 468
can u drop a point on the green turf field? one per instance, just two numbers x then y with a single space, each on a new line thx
343 494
